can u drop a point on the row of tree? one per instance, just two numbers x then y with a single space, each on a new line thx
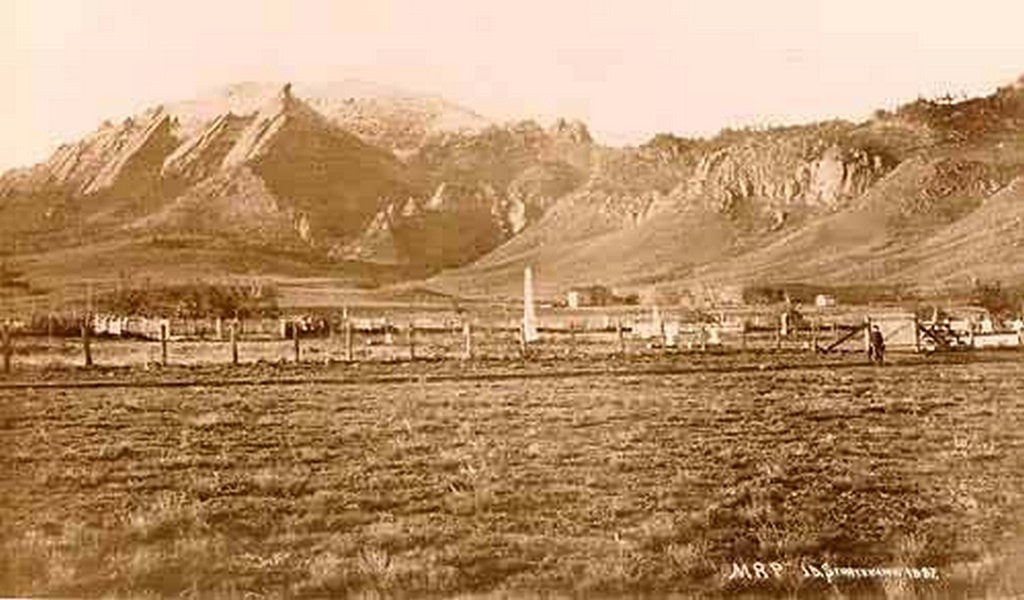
999 300
194 300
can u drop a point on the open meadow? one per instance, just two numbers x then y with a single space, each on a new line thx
588 484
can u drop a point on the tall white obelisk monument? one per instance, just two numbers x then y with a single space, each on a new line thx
529 315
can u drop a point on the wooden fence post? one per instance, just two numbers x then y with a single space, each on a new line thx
814 336
87 340
917 336
572 338
8 350
622 337
163 344
234 341
703 338
867 336
467 334
348 339
411 338
488 334
295 342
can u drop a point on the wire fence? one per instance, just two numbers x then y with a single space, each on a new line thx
113 340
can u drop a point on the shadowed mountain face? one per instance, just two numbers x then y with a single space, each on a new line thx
355 176
259 167
285 171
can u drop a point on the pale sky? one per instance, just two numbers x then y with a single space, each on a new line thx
629 69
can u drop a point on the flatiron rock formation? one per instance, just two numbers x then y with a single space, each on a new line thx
358 176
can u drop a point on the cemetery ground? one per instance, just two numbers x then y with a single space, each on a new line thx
643 475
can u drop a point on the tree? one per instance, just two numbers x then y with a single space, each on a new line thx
11 280
994 298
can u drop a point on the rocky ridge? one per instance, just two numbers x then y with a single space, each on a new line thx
282 172
377 177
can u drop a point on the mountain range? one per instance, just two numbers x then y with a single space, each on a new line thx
362 185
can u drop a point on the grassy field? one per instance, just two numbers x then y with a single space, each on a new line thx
592 485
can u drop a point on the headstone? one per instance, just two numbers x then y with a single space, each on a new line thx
529 328
348 339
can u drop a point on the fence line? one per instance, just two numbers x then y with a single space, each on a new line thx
126 340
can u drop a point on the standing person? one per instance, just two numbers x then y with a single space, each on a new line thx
877 351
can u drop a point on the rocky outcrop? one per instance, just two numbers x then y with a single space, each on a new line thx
534 191
572 131
498 154
203 155
275 156
376 244
338 181
332 182
124 158
285 162
230 202
451 227
135 163
399 123
261 130
781 175
383 116
946 188
488 187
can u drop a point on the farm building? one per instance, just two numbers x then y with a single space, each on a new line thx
591 295
967 320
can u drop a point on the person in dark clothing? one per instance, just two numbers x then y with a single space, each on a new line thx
877 350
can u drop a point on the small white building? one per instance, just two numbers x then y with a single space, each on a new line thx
824 300
590 295
573 299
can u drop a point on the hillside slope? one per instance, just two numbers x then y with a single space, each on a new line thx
370 186
660 211
917 198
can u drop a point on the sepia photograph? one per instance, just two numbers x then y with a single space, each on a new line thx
472 299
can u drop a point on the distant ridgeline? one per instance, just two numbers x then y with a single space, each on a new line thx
325 181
